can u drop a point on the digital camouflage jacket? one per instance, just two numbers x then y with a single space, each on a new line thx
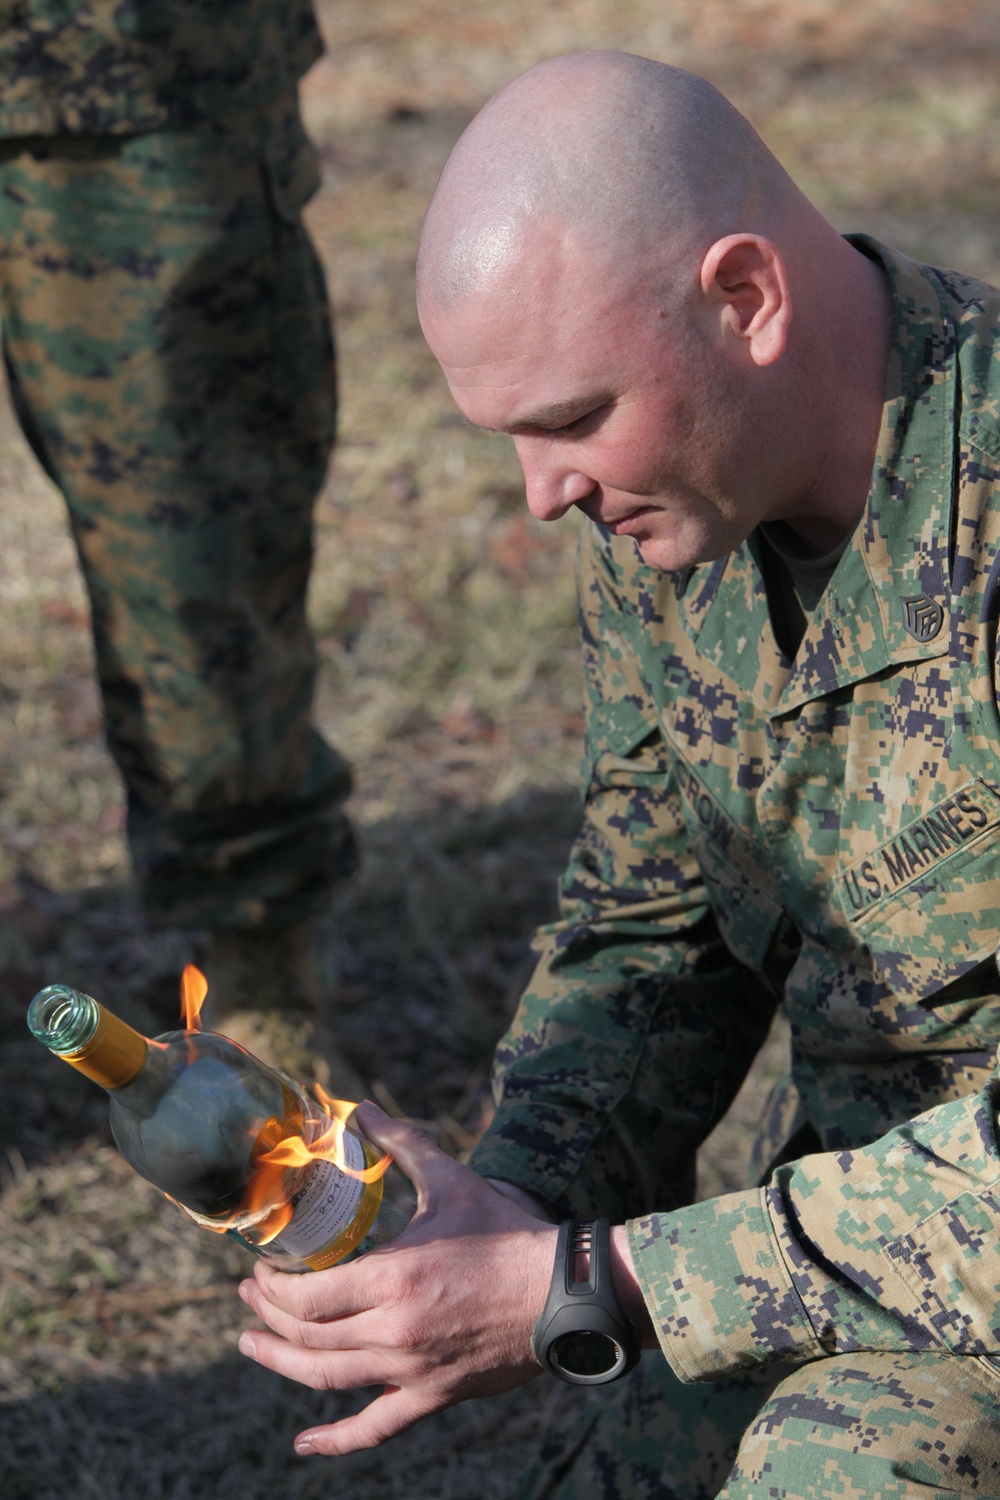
822 833
97 67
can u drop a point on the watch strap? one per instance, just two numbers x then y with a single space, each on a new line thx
584 1305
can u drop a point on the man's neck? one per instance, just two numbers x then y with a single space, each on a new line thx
857 334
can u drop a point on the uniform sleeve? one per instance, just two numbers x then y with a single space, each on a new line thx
894 1247
637 1026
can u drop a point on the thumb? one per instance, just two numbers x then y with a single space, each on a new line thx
422 1161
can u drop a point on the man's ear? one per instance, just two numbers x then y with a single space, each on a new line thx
743 279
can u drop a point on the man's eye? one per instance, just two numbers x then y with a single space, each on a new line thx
579 423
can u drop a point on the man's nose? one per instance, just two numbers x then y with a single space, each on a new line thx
552 486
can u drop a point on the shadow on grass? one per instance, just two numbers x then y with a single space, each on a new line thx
225 1432
107 1292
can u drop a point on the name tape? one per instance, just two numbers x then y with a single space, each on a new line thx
922 844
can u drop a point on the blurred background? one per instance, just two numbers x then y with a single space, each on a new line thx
445 620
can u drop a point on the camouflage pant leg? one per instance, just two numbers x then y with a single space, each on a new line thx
875 1427
649 1437
166 331
853 1427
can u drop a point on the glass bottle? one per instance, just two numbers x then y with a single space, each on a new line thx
241 1147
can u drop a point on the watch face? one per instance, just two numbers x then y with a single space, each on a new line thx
586 1354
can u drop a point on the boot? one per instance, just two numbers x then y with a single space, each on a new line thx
265 992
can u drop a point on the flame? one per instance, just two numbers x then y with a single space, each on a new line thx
288 1151
194 988
295 1151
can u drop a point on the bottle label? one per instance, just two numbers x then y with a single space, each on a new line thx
332 1210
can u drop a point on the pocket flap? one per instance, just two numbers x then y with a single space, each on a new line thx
614 731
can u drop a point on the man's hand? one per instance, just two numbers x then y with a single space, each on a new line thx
442 1313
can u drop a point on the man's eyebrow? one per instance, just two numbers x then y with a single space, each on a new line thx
553 415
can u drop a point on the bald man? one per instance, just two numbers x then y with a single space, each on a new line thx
786 448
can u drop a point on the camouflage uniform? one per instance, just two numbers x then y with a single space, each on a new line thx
168 346
823 833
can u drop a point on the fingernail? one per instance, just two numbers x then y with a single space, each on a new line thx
370 1104
244 1290
305 1445
247 1345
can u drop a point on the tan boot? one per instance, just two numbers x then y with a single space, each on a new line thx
265 991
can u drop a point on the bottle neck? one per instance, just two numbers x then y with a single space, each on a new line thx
87 1036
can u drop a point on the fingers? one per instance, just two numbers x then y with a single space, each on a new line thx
321 1334
393 1412
348 1332
319 1296
322 1369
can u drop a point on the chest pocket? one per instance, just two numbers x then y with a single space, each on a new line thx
738 872
927 905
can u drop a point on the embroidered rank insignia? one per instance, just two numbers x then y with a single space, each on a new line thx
922 616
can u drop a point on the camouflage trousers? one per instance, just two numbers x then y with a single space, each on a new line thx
908 1426
168 348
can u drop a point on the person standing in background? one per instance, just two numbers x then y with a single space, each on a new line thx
169 353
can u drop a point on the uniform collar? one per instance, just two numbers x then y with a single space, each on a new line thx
888 599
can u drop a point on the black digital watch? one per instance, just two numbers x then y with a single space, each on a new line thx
581 1333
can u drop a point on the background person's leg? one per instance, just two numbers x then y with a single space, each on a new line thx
168 340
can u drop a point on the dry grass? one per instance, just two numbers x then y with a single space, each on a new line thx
446 624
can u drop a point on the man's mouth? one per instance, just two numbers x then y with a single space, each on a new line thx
624 523
631 521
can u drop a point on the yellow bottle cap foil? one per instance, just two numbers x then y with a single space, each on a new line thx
114 1054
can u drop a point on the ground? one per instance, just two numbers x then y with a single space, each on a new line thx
445 619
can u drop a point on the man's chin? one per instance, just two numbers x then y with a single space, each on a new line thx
670 555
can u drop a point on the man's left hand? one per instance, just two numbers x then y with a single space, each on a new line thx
442 1313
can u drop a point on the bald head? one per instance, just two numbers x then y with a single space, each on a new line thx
616 271
620 154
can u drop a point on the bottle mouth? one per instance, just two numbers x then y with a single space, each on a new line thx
63 1019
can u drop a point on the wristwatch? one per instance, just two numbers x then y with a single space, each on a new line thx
581 1334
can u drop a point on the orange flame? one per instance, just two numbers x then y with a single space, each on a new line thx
194 988
290 1151
295 1151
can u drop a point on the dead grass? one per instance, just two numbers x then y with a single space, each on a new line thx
445 619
